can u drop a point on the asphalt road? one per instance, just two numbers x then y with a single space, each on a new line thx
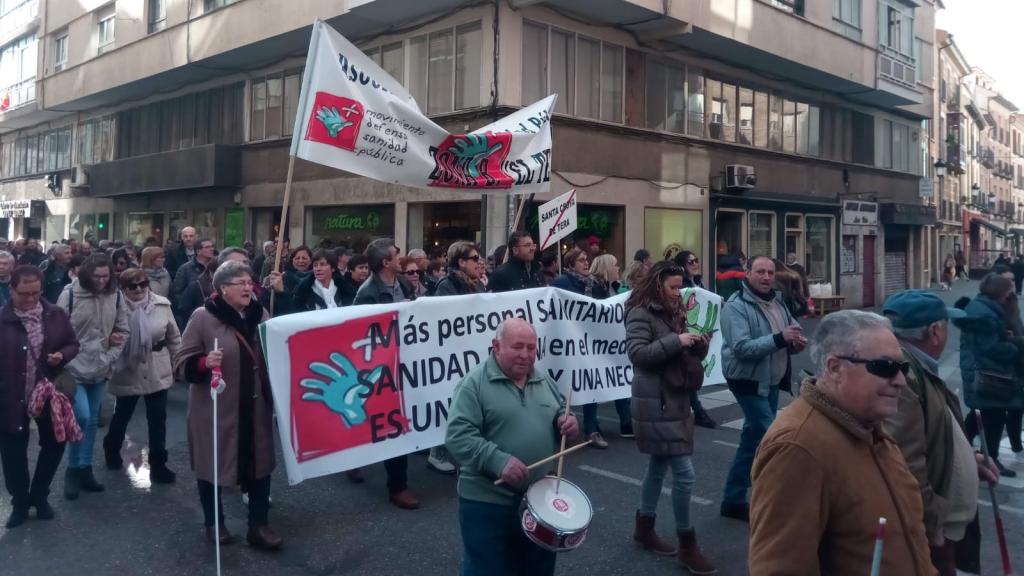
332 527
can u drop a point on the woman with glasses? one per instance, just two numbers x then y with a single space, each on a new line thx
245 440
667 371
325 288
410 268
99 316
464 270
38 342
991 361
143 371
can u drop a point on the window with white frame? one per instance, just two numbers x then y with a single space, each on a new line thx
209 5
105 23
157 15
60 51
273 104
18 71
586 73
846 18
896 28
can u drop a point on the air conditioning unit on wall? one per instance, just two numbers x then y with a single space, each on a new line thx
739 178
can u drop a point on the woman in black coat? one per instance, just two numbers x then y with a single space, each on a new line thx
324 288
463 271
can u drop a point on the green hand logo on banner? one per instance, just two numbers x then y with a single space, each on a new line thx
343 392
472 149
332 121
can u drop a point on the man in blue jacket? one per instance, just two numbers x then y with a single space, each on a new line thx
760 336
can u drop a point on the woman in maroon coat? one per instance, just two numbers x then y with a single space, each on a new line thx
38 341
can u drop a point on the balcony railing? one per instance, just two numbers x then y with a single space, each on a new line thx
19 94
987 157
895 67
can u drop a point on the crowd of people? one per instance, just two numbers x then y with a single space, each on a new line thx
875 432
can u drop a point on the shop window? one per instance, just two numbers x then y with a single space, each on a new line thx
761 234
206 225
140 226
352 225
234 227
669 231
441 224
606 223
848 254
54 230
795 235
818 255
730 232
83 226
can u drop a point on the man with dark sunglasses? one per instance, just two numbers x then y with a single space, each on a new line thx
928 429
826 470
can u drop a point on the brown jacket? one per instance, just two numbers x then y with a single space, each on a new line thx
664 375
197 341
820 483
924 430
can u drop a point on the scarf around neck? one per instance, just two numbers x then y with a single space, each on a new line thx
587 281
139 345
32 320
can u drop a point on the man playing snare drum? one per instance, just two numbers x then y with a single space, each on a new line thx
504 414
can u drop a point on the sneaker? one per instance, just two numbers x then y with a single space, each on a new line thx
598 441
438 460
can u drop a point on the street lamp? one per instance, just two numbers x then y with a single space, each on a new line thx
940 168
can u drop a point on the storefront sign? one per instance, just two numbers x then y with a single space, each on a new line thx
860 213
361 384
355 117
16 209
557 219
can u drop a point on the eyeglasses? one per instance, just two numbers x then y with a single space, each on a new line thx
242 283
474 258
881 367
527 245
138 285
413 272
692 261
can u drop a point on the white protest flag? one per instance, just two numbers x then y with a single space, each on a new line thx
355 117
557 219
361 384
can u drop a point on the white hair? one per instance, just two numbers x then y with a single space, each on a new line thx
499 334
917 333
840 334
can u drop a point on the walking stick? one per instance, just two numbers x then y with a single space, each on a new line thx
1000 533
561 459
216 385
876 559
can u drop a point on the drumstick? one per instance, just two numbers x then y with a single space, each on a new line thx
549 459
561 459
876 559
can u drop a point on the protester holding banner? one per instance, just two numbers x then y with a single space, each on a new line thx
323 289
521 271
524 423
386 286
667 371
300 263
245 440
690 264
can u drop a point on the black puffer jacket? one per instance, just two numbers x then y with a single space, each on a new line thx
305 299
664 375
516 275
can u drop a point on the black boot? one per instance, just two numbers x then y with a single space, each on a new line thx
703 419
18 516
72 483
159 473
88 481
112 455
43 509
1004 471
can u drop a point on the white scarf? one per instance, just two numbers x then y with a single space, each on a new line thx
326 293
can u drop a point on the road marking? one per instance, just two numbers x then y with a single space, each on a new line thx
630 480
729 444
1003 508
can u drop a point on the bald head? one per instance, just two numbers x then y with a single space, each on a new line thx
515 349
188 236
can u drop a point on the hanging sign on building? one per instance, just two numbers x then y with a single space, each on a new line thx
557 219
16 209
355 117
361 384
860 213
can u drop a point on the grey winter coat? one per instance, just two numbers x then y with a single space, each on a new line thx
97 317
750 341
664 375
154 373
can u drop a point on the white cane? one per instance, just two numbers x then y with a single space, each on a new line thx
216 383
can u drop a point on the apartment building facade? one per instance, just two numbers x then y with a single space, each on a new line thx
154 114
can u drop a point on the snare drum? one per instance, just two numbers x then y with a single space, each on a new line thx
555 521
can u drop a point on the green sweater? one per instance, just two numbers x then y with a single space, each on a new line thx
491 420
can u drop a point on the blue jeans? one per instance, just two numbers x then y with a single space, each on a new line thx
494 543
682 486
590 423
758 415
88 398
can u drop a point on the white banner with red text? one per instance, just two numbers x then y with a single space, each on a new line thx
355 117
361 384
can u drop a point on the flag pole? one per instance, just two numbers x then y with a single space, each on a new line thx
281 226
